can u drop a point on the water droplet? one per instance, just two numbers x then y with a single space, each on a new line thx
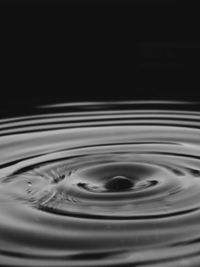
119 183
28 190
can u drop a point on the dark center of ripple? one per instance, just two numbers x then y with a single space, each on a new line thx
113 177
119 183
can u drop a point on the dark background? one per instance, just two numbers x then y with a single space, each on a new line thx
62 51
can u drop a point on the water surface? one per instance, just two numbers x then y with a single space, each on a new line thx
101 184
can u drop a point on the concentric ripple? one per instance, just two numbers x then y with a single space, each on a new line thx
101 184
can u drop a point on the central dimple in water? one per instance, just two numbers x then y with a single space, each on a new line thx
119 183
112 177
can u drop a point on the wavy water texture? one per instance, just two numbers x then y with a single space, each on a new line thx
101 184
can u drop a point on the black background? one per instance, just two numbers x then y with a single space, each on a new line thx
62 51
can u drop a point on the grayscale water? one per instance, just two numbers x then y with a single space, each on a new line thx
101 184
